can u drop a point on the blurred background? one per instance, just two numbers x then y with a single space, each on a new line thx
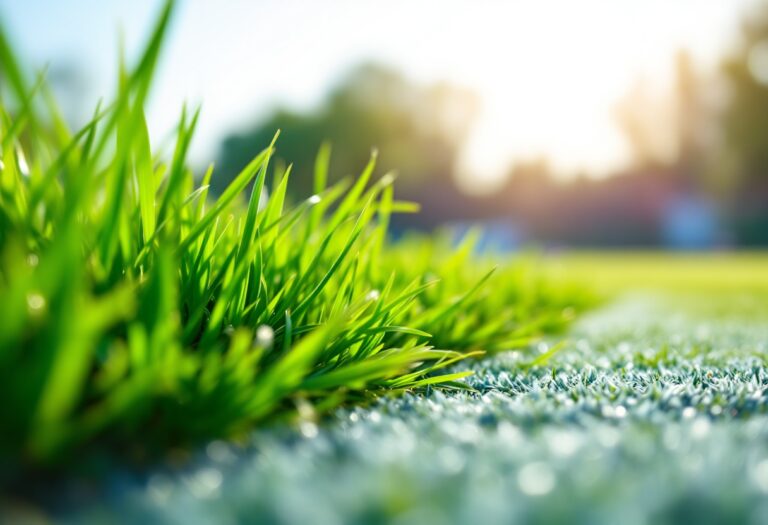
585 124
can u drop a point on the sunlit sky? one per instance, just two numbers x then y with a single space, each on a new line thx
548 72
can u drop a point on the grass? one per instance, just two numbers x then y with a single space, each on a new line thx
671 271
711 284
141 313
653 413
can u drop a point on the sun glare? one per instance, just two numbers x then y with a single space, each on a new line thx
550 87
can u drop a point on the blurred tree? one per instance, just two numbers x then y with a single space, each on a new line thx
417 131
690 117
745 129
666 129
744 122
645 120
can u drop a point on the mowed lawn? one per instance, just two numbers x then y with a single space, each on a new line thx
715 283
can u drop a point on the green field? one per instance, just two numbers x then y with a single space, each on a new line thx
671 271
653 412
716 283
169 355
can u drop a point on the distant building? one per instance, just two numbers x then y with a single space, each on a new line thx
691 222
496 235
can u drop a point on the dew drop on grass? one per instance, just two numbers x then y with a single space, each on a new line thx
308 429
265 336
373 295
387 179
35 302
22 160
314 199
536 479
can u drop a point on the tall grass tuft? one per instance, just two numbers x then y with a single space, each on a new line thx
140 313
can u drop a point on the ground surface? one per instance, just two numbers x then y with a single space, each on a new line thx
655 412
